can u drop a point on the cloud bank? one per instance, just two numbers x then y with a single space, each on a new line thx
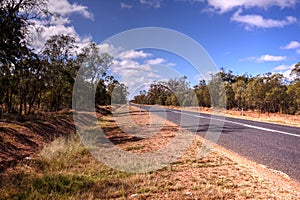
59 23
251 21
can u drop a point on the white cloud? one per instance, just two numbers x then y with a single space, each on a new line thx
258 21
58 24
248 59
58 20
223 6
133 74
160 61
170 64
206 76
136 68
287 74
156 61
253 20
109 49
40 33
133 55
292 45
124 5
264 58
129 67
65 8
285 70
151 3
284 67
270 58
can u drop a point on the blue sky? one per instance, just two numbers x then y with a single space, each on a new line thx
245 36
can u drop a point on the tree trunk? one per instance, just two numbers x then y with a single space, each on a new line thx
10 106
21 107
31 103
25 107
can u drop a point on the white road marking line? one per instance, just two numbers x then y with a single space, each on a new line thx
238 123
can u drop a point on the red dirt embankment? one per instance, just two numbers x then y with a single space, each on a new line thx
20 140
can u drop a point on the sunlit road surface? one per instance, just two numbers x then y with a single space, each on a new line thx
272 145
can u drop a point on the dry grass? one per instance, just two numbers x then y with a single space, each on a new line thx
62 152
64 169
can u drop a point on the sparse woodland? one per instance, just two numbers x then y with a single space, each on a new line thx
265 93
43 79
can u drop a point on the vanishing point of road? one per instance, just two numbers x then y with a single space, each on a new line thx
272 145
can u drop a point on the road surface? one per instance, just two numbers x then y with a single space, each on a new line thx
275 146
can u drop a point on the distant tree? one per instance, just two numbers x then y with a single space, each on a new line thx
230 96
293 91
93 72
59 54
296 72
141 98
217 91
93 63
267 93
255 93
172 92
117 92
180 88
275 94
203 94
239 89
293 98
227 77
158 93
172 100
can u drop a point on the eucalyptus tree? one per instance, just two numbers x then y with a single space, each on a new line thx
275 97
60 57
92 73
239 87
293 91
15 18
255 93
296 72
203 95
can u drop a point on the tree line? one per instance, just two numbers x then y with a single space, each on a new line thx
31 80
266 93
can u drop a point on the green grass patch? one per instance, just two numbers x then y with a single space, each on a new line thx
24 186
135 148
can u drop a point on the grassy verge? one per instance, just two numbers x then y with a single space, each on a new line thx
64 169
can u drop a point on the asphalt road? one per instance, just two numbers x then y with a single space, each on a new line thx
275 146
